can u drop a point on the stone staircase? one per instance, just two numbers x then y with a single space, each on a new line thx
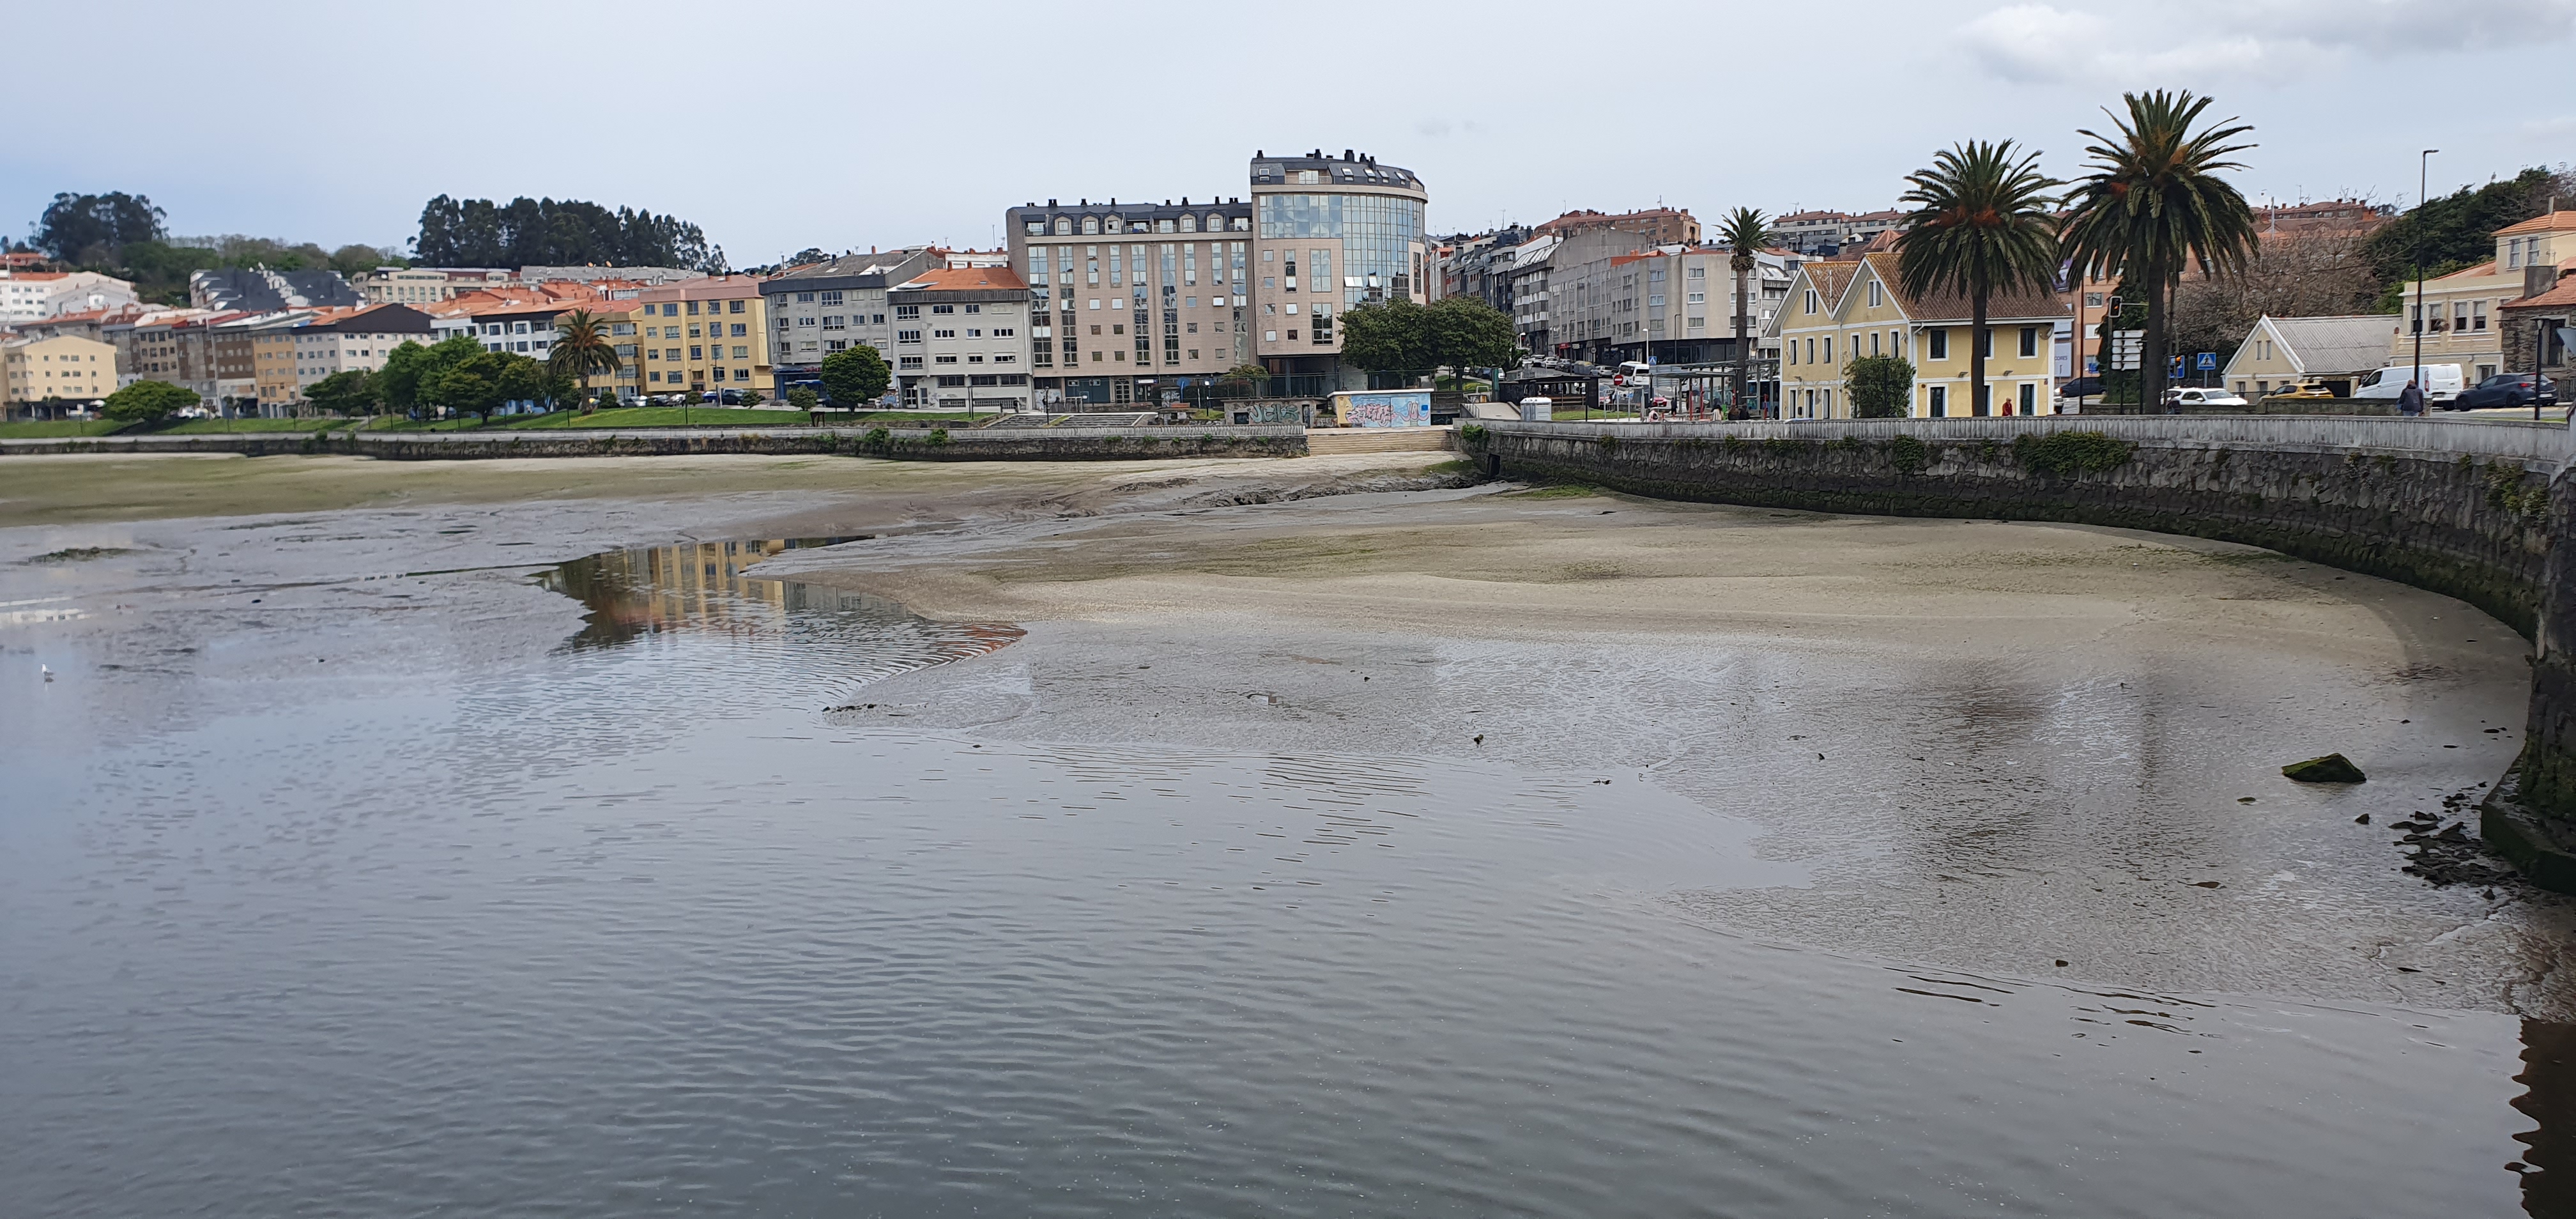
1328 442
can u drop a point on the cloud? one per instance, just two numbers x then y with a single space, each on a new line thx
2193 41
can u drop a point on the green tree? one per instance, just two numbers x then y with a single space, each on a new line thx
855 377
473 385
348 392
1980 225
607 398
411 373
753 397
360 259
1881 387
583 348
148 402
1464 332
2459 230
803 399
1388 336
521 379
2154 205
1744 233
93 229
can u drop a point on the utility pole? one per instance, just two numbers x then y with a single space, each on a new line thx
2422 170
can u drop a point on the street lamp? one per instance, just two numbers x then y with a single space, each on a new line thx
2422 164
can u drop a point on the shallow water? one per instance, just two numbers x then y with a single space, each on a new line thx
634 928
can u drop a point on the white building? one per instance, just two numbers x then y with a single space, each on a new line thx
354 340
962 339
27 296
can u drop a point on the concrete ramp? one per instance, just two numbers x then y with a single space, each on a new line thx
1325 442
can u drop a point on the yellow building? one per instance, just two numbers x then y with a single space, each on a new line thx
2459 314
702 335
1838 311
65 371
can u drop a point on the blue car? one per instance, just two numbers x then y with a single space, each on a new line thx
2507 389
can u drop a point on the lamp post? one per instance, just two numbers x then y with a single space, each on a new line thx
2422 170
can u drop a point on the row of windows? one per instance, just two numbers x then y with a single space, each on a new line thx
695 353
1936 343
2463 316
1094 225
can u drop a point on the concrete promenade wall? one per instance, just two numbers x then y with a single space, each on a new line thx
916 444
2482 511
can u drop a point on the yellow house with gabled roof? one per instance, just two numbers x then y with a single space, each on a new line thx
1838 311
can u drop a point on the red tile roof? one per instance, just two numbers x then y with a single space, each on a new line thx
969 277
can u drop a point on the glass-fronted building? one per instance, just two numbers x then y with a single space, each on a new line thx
1330 234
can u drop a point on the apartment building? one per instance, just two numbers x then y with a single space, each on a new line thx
333 341
2460 311
1355 228
1527 280
1480 265
27 296
824 307
1837 311
962 339
1822 234
235 357
167 345
706 333
44 377
1652 226
1107 280
421 286
260 290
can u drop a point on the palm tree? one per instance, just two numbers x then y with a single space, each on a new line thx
582 348
2154 203
1745 232
1980 225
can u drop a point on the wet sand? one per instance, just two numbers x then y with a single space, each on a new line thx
1989 746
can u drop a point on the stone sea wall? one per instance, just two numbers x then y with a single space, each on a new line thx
2458 508
911 444
2477 510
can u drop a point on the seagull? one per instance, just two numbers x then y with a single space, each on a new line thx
47 670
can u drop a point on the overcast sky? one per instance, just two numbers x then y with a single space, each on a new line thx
777 127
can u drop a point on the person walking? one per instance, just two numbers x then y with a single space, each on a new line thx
2410 400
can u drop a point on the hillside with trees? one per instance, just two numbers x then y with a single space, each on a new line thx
557 233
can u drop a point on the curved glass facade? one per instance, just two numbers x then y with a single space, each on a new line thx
1376 234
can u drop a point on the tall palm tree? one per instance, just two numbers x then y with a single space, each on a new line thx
582 348
1981 224
1745 232
2154 204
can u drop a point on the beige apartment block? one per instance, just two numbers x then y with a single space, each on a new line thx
62 370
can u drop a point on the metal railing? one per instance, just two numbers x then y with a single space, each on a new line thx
2548 442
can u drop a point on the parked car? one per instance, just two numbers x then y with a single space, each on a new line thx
2507 389
2203 397
2081 387
2304 391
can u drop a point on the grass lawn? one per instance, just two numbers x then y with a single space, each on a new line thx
44 428
220 427
659 416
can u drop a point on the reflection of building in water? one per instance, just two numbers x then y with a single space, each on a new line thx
2549 1098
697 586
703 587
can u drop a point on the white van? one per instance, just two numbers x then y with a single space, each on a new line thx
2441 382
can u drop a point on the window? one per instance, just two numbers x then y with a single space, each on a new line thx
831 298
733 307
1874 299
1940 398
2030 341
907 313
804 321
943 334
741 352
907 336
974 308
1829 349
2092 300
943 309
739 329
908 361
832 321
1811 300
2029 398
1940 344
804 298
944 359
2513 252
2478 319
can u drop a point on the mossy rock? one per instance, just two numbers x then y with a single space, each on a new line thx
2332 768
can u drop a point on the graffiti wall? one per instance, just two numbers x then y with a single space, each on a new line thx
1384 408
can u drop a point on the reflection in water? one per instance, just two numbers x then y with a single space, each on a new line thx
696 586
782 635
2549 1074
